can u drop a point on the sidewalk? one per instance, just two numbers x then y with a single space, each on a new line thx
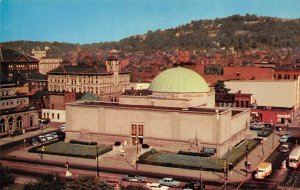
115 161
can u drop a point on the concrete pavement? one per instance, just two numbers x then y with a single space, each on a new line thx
117 160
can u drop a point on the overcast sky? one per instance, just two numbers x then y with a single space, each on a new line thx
91 21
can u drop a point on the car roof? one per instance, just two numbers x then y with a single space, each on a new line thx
168 178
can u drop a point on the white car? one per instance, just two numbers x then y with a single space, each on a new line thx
167 181
156 186
288 135
284 139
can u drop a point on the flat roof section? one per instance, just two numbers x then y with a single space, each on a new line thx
189 109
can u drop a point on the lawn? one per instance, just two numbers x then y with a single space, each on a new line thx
185 161
236 154
73 150
169 159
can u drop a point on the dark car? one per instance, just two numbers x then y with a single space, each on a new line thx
16 133
195 185
284 148
33 141
44 120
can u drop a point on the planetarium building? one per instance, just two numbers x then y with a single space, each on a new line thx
179 114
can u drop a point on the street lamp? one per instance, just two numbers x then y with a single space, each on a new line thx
97 159
137 152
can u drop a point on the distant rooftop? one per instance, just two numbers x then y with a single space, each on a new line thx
10 55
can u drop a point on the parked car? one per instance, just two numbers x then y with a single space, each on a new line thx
284 148
55 136
167 181
48 137
16 133
156 186
33 141
134 178
283 139
196 185
63 128
44 120
287 135
42 138
256 126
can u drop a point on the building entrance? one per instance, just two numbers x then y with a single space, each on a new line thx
137 131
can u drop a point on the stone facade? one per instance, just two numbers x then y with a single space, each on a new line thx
15 112
107 83
161 126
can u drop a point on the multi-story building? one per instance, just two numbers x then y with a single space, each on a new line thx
36 82
275 101
55 105
286 74
15 65
48 64
15 111
108 83
238 99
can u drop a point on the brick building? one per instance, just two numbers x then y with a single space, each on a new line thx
15 65
15 111
107 82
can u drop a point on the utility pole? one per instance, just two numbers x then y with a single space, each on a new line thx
262 144
201 181
42 139
272 134
97 159
246 163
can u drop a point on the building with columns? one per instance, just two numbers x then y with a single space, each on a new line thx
15 111
179 114
107 82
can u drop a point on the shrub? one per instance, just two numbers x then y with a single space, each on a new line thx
118 143
201 154
79 142
6 177
145 146
145 155
93 143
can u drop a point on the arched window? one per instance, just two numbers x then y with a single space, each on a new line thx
10 123
19 122
2 126
279 76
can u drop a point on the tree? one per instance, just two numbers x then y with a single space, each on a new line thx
220 87
6 177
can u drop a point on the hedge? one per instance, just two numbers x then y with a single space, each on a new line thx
83 142
194 154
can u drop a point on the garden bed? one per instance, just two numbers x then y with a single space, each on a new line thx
72 150
169 159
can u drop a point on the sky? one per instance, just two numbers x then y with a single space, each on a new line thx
92 21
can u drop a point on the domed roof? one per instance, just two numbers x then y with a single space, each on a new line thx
178 79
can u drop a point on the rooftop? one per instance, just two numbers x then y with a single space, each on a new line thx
211 111
10 55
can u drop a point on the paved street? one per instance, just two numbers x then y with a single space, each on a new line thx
115 161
